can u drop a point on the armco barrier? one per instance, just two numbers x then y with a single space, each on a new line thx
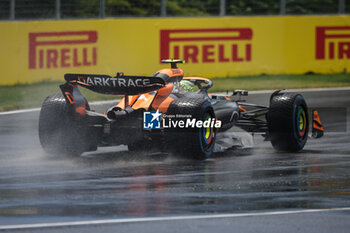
213 47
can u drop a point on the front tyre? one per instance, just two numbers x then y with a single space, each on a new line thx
288 122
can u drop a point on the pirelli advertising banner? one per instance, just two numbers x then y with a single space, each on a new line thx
212 47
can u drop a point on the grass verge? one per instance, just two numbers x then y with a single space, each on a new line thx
272 82
21 96
32 95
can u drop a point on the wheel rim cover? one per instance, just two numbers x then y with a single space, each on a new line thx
301 122
208 133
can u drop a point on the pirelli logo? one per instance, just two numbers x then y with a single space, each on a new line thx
211 45
332 43
50 50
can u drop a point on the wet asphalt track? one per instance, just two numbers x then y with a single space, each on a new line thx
114 184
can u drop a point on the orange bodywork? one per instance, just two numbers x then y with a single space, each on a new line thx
137 101
131 98
70 97
242 109
144 101
163 107
160 100
316 122
172 72
162 94
196 78
81 110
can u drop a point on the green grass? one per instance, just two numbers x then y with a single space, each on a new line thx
32 95
271 82
21 96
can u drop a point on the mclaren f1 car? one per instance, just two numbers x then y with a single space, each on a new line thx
149 115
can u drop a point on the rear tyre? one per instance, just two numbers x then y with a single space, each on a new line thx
194 143
58 134
288 122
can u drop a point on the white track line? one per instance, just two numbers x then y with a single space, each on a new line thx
298 90
156 219
38 109
304 90
20 111
250 92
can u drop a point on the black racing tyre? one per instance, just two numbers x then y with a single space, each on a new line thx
193 143
288 122
58 134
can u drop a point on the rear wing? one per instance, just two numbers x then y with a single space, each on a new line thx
105 84
119 85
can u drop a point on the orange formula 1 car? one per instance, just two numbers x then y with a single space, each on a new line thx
170 113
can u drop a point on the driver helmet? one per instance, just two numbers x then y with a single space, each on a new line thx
187 86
